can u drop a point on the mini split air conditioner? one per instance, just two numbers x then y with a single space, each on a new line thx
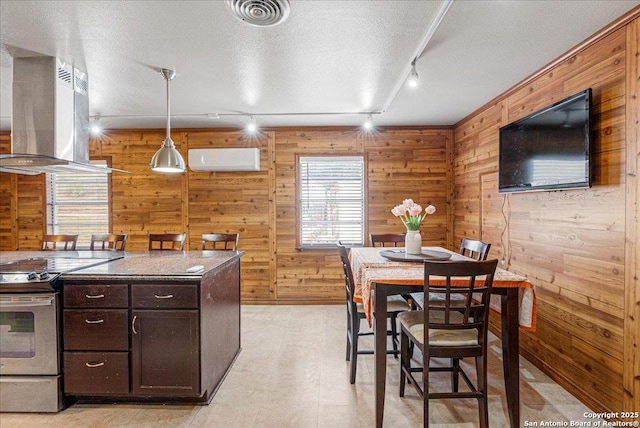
224 159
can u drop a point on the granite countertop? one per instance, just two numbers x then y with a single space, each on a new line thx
147 264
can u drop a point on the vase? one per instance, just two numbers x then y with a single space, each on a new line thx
413 242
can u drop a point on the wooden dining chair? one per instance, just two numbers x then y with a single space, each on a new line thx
475 249
167 241
59 242
356 313
220 241
108 242
452 328
387 239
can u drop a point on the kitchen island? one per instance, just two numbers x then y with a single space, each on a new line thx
157 326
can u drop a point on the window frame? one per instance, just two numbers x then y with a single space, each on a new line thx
298 199
49 223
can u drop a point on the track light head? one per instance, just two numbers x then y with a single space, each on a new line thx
95 127
368 124
414 79
251 127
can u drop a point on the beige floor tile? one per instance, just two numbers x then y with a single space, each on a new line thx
292 373
225 416
286 415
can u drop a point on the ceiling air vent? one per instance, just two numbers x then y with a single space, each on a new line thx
261 13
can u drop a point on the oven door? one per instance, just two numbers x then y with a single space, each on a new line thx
29 334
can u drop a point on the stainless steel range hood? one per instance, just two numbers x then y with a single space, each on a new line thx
50 118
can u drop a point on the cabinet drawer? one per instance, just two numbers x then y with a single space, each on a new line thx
91 373
96 296
164 296
96 329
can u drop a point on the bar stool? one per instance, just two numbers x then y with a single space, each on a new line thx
475 249
59 242
381 240
167 241
108 242
220 241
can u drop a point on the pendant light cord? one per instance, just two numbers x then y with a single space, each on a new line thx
168 109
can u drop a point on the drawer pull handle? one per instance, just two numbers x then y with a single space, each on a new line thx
94 365
133 324
96 296
166 296
94 321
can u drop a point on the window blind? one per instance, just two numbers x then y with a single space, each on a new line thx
331 205
78 203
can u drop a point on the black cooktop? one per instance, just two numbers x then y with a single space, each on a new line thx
40 274
51 264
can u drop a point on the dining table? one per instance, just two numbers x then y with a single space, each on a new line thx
380 272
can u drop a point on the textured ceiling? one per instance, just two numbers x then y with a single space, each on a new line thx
327 57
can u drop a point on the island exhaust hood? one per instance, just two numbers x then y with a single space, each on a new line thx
50 119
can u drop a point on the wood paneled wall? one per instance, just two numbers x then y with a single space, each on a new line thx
260 206
401 163
579 247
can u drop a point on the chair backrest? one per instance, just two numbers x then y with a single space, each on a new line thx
59 242
475 249
167 241
464 289
387 239
348 276
220 241
108 242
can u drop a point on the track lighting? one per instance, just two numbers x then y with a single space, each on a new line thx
168 158
413 77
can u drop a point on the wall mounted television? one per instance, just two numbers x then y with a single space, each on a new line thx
549 149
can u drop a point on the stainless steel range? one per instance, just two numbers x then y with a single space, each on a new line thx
30 345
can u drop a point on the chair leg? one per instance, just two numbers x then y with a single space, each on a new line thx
394 334
425 377
355 329
405 358
455 374
349 329
483 406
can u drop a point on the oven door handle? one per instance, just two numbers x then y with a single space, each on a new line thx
33 301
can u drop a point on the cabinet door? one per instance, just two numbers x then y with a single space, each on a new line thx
165 353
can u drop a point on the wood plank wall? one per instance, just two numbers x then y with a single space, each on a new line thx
631 377
260 206
571 244
401 163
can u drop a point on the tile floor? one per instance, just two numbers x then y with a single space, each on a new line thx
292 373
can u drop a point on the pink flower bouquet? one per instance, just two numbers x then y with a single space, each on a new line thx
411 213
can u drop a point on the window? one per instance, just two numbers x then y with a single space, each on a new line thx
78 203
331 200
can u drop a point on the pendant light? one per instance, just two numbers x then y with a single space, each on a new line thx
168 158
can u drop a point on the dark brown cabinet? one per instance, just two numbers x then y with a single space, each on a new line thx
129 339
165 352
165 339
96 339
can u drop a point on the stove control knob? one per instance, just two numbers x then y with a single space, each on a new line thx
43 275
32 276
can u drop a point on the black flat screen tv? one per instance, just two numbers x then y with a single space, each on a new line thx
549 149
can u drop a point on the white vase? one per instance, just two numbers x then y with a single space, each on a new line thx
413 242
